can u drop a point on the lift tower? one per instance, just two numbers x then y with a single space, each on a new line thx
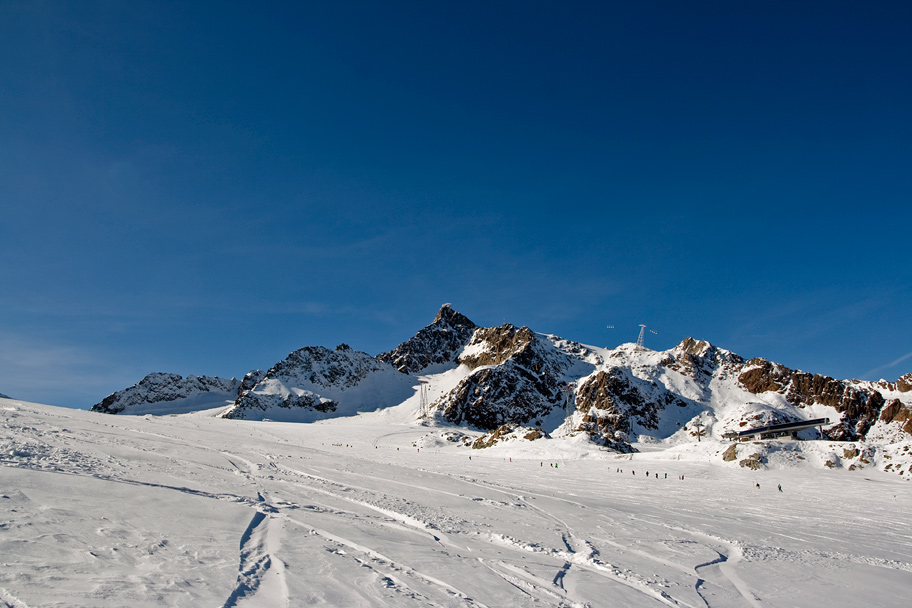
642 333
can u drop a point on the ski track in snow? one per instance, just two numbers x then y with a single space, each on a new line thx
378 562
318 519
10 601
260 572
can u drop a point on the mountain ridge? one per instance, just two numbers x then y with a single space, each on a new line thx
513 375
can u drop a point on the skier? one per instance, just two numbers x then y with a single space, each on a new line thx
758 486
780 487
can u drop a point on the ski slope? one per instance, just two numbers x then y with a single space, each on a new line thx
375 510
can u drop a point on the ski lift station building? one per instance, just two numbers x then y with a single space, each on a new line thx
787 429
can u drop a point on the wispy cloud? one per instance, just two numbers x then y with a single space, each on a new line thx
871 374
58 374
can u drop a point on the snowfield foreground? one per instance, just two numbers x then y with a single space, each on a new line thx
192 510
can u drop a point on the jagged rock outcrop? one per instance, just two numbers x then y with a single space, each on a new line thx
517 378
250 380
904 384
894 424
160 393
439 342
701 360
610 402
509 432
895 411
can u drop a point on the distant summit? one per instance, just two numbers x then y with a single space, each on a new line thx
436 344
161 393
314 383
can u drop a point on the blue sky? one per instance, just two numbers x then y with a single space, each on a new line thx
204 187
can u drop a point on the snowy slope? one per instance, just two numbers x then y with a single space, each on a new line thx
194 510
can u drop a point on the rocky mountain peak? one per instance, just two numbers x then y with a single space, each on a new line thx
438 343
700 360
693 347
322 368
447 317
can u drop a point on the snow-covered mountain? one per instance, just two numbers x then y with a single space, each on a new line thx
516 376
161 393
313 383
483 378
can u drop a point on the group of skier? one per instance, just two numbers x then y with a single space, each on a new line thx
778 486
620 470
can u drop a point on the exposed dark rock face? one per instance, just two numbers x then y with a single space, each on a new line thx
760 376
439 342
495 345
517 379
250 380
610 402
161 387
904 384
493 396
611 394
